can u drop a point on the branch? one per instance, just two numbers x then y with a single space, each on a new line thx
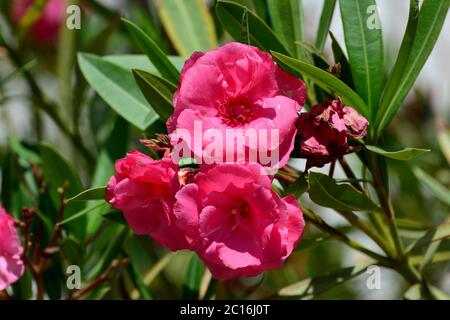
100 280
322 225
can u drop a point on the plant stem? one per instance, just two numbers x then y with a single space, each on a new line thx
375 219
368 230
349 173
331 171
386 205
322 225
101 279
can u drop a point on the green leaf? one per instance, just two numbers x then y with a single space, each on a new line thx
115 216
97 193
261 35
188 24
259 7
414 292
409 224
157 91
306 244
364 44
136 248
443 138
339 57
429 254
23 151
312 287
192 279
141 62
158 267
423 34
396 74
308 47
287 22
437 293
111 252
324 191
153 52
325 21
57 172
118 88
402 154
138 282
326 81
434 234
299 187
115 146
440 191
84 212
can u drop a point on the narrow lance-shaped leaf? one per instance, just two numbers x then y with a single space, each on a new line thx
259 7
437 233
97 193
118 88
192 279
325 80
396 74
58 172
414 292
402 154
141 62
324 23
311 287
153 52
324 191
188 24
339 57
287 21
443 137
364 44
441 192
157 91
114 148
299 187
138 282
307 244
261 35
315 52
84 212
431 19
23 152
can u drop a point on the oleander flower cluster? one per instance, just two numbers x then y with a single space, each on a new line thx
11 264
225 210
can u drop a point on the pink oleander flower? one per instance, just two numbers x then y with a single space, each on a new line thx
236 223
11 264
239 89
144 190
325 132
46 29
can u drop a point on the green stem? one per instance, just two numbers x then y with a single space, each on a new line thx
368 230
375 219
386 205
322 225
